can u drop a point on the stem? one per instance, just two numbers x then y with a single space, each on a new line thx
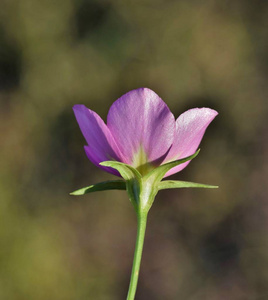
142 220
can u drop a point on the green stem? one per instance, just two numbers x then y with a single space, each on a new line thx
142 220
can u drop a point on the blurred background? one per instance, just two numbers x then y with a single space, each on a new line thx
200 244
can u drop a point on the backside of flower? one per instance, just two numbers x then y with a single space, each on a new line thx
142 144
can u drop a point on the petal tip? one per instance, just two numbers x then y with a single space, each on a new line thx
78 107
211 112
204 113
208 110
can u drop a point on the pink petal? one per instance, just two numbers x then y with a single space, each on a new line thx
101 143
141 119
190 128
96 159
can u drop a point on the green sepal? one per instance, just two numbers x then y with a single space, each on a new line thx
143 189
176 184
102 186
158 173
126 171
133 180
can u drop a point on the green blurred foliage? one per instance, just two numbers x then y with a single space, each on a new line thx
200 244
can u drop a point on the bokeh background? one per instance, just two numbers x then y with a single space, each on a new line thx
200 244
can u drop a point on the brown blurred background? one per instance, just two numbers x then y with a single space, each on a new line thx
200 244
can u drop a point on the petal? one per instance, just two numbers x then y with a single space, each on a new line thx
190 128
101 143
140 121
96 159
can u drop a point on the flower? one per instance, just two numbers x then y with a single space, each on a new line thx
142 143
142 132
